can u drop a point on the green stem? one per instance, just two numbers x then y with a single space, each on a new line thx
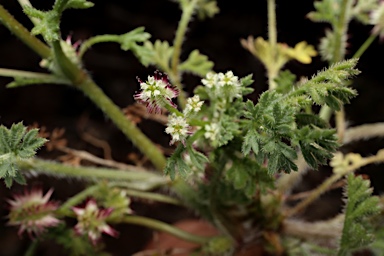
365 46
65 209
23 74
272 38
95 40
87 86
23 34
145 145
161 226
152 196
90 173
340 29
186 16
27 3
32 248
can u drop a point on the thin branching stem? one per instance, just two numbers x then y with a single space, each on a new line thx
378 158
186 16
162 226
272 71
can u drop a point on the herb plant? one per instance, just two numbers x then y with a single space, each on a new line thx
235 162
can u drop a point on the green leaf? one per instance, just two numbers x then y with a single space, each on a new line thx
207 9
161 52
79 4
361 205
178 164
362 10
317 145
247 176
130 40
48 25
15 143
197 63
326 11
285 82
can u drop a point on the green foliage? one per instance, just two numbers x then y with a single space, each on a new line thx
316 144
161 52
130 40
285 82
177 162
357 231
48 25
275 125
247 175
15 143
207 9
49 21
73 244
196 63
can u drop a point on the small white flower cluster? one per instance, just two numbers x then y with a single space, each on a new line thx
178 128
223 86
156 93
211 131
193 105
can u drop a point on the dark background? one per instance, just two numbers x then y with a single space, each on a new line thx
115 71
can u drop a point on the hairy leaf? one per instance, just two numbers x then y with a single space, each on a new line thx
197 63
161 52
15 143
357 232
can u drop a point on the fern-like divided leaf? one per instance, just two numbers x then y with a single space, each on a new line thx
360 206
276 126
15 143
177 162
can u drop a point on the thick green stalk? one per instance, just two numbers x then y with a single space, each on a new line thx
23 34
340 29
161 226
89 173
139 139
84 83
188 11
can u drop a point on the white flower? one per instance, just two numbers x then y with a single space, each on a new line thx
156 93
210 80
178 128
193 105
211 131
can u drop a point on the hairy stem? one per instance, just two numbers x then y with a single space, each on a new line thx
65 208
186 16
317 192
340 29
272 39
152 196
144 180
95 40
161 226
23 34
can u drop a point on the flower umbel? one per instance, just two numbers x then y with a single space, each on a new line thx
91 221
33 212
193 105
222 86
178 128
156 93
